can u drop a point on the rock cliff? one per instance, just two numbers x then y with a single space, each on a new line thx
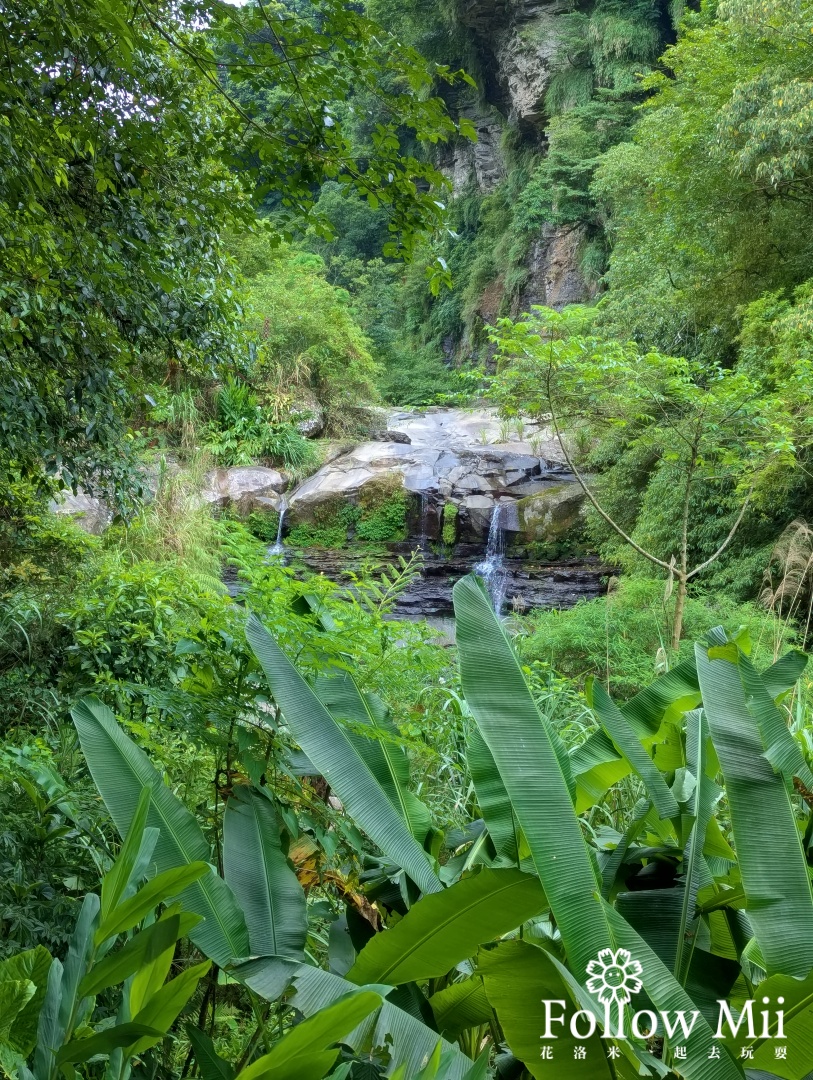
517 43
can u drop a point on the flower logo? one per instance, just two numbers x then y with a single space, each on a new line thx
614 976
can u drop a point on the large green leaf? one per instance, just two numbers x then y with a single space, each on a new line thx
138 951
409 1041
121 770
781 749
61 1002
314 1036
667 995
106 1041
263 881
15 994
163 1008
445 928
376 739
769 849
210 1064
627 743
526 758
337 758
170 883
492 798
31 966
785 673
518 977
669 696
797 1009
117 878
462 1005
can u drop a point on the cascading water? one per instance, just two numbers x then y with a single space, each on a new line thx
278 547
424 511
492 568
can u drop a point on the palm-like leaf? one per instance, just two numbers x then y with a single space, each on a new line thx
769 850
337 758
529 765
409 1041
265 885
121 770
445 928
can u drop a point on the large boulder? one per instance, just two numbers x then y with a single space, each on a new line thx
90 513
550 514
308 416
241 486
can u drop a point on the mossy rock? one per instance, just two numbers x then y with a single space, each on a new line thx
449 532
551 514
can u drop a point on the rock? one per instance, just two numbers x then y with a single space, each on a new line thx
442 455
90 513
242 485
550 514
554 277
391 436
308 416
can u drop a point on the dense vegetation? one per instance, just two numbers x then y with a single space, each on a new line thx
284 835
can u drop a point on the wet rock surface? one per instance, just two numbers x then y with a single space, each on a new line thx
464 457
528 586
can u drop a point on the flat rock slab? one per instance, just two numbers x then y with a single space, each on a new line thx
452 455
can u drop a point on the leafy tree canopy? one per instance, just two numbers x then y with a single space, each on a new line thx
120 129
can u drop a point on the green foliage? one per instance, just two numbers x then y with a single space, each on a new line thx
690 445
383 512
306 336
706 205
624 635
242 432
449 531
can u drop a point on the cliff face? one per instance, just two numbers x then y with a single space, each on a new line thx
517 42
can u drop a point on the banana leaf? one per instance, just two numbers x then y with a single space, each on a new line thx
492 798
781 749
313 1039
445 928
627 743
797 1007
518 977
385 758
769 849
408 1041
121 770
337 758
460 1006
263 881
517 736
667 995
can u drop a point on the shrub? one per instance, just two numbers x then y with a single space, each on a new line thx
620 635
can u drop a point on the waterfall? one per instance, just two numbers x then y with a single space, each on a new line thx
278 547
492 568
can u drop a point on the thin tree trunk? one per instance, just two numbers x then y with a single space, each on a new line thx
680 604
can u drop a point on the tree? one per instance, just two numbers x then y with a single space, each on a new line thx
119 137
687 425
708 205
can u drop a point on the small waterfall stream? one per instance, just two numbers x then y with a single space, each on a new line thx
492 568
278 548
424 510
